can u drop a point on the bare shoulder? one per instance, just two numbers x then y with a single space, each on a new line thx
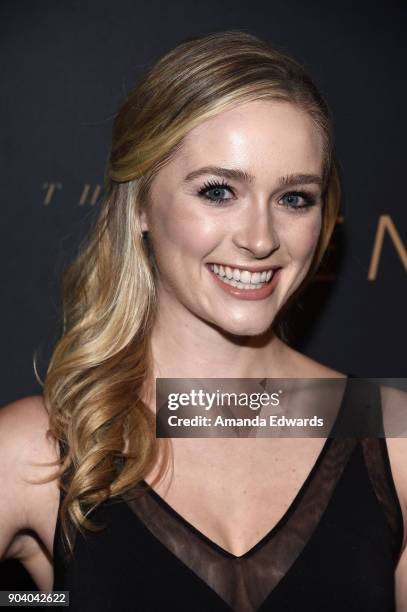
304 366
22 415
25 454
24 424
394 409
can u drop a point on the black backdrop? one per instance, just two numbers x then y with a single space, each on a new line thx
65 68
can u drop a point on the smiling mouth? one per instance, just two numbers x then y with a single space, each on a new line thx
243 279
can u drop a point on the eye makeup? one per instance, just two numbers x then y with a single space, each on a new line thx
217 187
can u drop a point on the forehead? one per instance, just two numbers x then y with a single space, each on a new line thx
259 134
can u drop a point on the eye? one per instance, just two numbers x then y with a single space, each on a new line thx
293 200
215 191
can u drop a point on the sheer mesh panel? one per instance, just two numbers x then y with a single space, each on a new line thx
245 582
379 470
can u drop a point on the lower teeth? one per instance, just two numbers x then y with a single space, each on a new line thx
240 285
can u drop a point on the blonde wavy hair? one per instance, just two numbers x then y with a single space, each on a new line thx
100 370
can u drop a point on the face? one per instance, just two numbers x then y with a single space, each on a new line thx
234 218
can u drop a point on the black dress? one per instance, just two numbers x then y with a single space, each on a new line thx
335 548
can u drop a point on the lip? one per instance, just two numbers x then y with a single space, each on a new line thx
248 294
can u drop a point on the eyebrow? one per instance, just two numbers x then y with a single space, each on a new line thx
245 177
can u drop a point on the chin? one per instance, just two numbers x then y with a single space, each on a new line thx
246 328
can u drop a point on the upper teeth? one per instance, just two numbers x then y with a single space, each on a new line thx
244 276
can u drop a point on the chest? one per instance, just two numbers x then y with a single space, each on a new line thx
235 499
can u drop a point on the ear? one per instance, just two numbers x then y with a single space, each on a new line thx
143 222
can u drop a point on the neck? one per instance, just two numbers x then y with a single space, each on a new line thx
185 346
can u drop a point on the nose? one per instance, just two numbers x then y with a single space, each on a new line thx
257 233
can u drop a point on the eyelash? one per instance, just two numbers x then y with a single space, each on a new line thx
209 185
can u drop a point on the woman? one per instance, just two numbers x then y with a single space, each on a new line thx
221 177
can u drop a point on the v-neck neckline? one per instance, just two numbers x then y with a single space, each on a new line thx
280 523
283 519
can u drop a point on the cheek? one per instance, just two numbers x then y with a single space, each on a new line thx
181 231
301 237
